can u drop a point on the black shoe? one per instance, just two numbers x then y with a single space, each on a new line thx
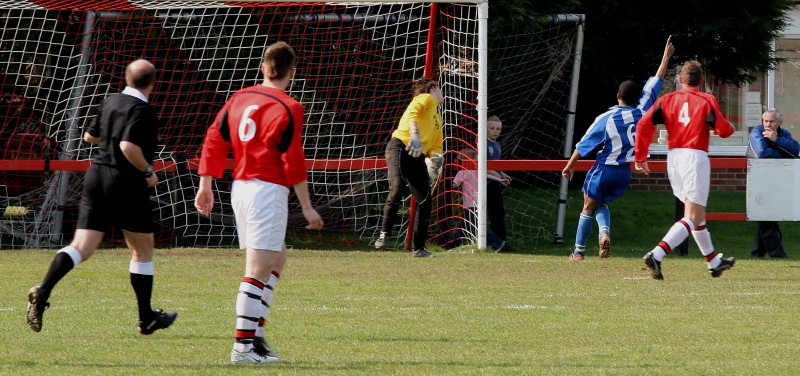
262 348
422 252
162 320
654 265
724 264
37 303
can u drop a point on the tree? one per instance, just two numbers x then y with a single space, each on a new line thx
625 40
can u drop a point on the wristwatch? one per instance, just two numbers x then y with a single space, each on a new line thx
149 172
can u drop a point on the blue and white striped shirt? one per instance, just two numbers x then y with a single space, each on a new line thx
615 128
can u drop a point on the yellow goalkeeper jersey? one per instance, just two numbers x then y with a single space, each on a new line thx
423 109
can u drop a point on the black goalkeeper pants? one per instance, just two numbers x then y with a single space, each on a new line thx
406 170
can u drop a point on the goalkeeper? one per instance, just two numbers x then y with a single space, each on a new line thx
418 135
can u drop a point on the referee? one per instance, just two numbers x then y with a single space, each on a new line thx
116 191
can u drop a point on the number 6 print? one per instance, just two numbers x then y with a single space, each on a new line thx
247 126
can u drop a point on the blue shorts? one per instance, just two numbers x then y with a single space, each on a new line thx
606 183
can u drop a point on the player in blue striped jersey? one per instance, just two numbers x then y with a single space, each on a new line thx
612 133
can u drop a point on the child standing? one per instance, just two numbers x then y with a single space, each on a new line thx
498 180
467 182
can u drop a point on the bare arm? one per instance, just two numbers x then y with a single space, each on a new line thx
204 201
669 49
91 139
495 178
134 155
314 220
569 170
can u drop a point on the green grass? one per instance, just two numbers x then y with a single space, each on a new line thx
366 313
641 218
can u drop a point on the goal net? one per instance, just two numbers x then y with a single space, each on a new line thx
356 62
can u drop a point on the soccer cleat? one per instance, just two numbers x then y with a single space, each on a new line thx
252 356
37 303
576 256
262 347
605 246
422 252
654 265
724 264
382 240
500 247
162 320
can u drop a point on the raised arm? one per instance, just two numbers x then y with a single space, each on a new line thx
669 49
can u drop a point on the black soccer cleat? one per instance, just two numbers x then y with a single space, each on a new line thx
654 265
161 320
37 303
422 252
724 264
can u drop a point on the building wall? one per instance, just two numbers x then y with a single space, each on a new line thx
722 179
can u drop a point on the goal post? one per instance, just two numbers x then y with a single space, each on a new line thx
356 63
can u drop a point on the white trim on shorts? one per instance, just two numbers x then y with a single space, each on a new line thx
261 210
689 172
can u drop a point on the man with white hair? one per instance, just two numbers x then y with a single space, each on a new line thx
770 140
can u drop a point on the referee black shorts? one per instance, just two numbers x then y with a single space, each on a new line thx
111 197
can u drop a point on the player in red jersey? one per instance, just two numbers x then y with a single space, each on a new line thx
264 126
688 114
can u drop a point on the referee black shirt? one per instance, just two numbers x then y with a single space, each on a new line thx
123 117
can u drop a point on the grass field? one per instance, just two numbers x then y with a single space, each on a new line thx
364 312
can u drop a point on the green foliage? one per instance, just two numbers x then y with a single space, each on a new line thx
731 38
508 14
625 40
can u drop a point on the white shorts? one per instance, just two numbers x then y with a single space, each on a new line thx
689 172
262 213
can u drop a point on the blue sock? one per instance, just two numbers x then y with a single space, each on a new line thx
584 228
603 217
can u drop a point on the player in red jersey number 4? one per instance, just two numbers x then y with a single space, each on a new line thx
688 114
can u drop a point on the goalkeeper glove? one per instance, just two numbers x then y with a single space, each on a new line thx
434 165
414 147
437 160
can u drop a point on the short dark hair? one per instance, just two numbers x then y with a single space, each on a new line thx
424 85
279 59
692 73
629 92
140 74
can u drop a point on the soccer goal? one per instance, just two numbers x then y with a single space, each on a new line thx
356 62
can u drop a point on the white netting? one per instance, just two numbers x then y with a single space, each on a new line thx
356 64
529 81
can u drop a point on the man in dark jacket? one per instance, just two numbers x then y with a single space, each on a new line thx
769 140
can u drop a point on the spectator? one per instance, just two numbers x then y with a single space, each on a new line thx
770 140
467 182
498 181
